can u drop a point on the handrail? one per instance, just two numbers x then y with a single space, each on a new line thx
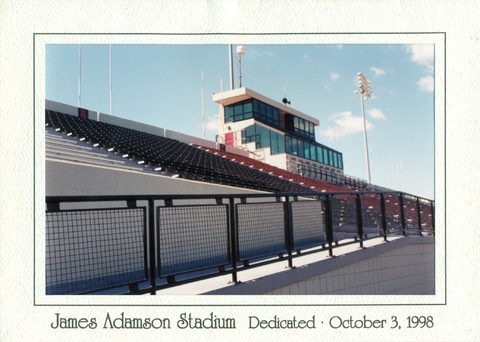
328 220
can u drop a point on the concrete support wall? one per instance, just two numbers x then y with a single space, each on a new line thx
402 266
405 270
74 179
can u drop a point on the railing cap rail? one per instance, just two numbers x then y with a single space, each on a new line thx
105 198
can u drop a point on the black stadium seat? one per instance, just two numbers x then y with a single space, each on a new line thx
186 160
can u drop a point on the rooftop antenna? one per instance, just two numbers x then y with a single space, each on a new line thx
220 117
110 67
79 75
240 52
230 56
203 109
285 101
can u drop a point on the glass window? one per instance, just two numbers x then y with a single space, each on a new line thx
288 144
325 156
301 151
306 147
256 106
294 146
319 154
269 112
302 124
330 158
238 109
340 161
228 114
258 141
247 107
248 134
262 111
295 122
281 143
264 136
276 116
247 115
273 143
313 152
335 159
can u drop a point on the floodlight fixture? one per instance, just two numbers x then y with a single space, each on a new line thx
365 93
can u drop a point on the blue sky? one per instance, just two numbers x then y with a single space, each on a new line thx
161 85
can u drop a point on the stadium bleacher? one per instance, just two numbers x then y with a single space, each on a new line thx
188 161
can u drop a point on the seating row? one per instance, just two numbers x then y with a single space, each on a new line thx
168 154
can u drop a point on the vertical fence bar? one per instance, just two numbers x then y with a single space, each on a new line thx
419 216
329 224
233 233
402 214
287 208
152 245
358 207
384 216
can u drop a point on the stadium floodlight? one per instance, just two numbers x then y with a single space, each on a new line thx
365 93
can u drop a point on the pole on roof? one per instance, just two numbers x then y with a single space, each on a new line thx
110 67
79 75
203 109
230 55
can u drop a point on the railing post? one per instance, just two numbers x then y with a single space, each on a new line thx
402 214
384 216
329 224
358 206
287 208
419 217
152 245
233 233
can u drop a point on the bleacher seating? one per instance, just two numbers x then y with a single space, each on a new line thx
171 155
314 184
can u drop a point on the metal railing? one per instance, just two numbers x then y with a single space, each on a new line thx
142 244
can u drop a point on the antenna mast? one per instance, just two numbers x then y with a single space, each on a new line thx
230 56
240 52
203 109
79 75
110 67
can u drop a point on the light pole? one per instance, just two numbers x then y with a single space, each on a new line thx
365 92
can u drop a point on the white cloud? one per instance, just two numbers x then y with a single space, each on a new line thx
377 71
307 57
376 113
422 55
333 76
340 46
345 123
252 53
212 123
426 84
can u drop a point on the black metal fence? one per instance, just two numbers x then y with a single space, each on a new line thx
141 244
